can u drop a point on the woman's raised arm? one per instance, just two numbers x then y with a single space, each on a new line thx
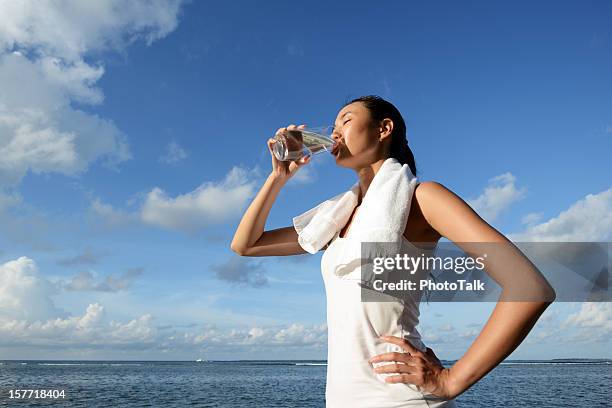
250 239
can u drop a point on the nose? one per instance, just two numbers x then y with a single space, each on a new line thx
336 135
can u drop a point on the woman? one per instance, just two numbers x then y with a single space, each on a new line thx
370 131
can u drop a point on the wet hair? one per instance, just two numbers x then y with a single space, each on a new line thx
380 109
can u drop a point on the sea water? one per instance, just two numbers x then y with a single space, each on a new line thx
262 384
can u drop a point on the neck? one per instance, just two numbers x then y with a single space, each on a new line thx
366 175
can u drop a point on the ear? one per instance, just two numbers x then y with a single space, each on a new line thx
385 128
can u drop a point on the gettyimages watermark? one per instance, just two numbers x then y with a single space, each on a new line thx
484 272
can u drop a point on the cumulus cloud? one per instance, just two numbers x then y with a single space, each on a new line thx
590 324
587 220
94 330
24 293
30 319
71 28
210 203
46 70
594 317
497 197
531 218
91 329
289 335
29 316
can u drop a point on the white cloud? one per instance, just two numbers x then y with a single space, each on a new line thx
587 220
71 28
174 153
24 294
44 71
28 314
531 218
497 197
304 175
111 216
594 317
291 335
208 204
90 329
29 318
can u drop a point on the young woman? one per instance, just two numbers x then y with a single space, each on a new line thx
370 130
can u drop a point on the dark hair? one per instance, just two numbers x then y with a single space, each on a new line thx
381 109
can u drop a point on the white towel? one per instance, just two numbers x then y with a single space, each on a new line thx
382 216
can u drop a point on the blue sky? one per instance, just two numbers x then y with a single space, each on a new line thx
131 141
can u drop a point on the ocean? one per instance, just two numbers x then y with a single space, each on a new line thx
255 384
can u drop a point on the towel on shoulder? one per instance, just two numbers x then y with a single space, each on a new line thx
381 218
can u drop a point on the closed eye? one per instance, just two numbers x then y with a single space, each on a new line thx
335 128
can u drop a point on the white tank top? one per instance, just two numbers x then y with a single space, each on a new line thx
353 330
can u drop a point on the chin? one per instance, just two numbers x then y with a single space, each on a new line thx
343 162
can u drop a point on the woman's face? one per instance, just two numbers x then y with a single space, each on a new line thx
358 139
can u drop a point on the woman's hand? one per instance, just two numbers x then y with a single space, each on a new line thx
415 367
285 169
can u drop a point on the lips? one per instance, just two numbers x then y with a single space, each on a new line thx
335 149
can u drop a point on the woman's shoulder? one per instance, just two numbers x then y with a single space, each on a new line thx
430 196
434 201
429 188
423 189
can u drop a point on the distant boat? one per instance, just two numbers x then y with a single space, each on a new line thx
199 360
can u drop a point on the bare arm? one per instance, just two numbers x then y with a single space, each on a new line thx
510 322
250 239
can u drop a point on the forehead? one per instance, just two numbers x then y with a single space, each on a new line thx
354 108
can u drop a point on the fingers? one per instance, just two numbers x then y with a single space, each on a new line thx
396 368
403 343
403 378
392 356
304 160
290 127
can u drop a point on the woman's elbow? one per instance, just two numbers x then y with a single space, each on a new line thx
238 249
546 295
550 295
